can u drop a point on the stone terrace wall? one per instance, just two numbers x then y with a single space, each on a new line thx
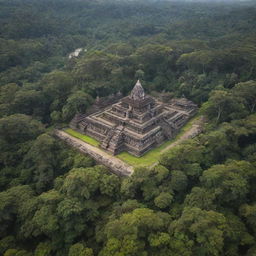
116 165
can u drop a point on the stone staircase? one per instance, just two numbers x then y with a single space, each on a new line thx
114 140
105 142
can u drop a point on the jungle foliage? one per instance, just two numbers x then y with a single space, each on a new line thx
199 200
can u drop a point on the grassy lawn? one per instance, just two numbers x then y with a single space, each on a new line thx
148 159
82 137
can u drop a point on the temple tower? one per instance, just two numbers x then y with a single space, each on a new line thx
137 92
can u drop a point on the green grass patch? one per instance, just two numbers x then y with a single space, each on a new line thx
148 159
82 137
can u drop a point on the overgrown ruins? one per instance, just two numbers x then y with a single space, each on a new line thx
136 123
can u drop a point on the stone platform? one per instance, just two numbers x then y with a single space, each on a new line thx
136 123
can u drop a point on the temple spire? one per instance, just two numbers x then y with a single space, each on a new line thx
137 92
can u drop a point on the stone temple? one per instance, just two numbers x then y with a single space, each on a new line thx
136 123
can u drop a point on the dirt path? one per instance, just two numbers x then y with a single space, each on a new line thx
191 133
116 165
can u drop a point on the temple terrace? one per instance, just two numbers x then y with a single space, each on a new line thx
136 123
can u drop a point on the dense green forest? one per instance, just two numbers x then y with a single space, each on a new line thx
201 198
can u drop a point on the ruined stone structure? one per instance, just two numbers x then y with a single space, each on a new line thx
136 123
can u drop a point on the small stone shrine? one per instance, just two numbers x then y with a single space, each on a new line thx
136 123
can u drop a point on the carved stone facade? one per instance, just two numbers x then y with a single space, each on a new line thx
136 123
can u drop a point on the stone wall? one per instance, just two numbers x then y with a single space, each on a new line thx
116 165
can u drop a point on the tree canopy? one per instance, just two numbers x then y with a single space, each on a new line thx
199 200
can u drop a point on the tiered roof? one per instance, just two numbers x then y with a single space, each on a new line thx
136 123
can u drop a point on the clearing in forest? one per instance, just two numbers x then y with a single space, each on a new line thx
190 130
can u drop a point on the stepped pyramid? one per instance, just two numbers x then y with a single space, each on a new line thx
136 123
